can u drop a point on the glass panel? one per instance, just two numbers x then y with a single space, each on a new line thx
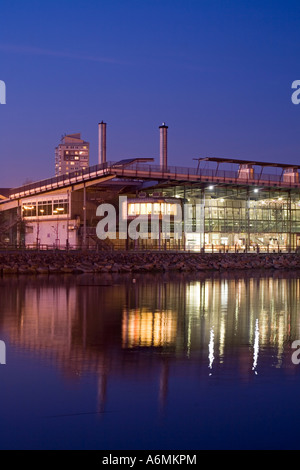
29 209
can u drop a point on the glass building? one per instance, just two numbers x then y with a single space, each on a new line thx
233 211
247 207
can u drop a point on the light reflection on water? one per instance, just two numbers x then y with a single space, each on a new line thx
179 335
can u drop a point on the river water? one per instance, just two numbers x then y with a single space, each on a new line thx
153 362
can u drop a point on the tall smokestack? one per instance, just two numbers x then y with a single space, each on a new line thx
102 143
163 146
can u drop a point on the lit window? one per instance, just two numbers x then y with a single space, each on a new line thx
131 209
156 208
135 209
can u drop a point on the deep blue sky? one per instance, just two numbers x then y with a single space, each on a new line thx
219 73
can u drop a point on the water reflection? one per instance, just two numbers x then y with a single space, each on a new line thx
256 347
211 347
212 326
142 327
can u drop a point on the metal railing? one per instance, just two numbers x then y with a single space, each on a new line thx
149 171
65 180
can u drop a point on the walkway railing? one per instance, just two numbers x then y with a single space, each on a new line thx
149 171
56 182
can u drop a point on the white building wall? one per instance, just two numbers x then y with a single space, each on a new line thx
49 230
51 233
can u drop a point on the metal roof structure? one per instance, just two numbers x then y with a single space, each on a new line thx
220 160
136 169
129 161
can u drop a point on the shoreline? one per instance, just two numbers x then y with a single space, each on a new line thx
35 263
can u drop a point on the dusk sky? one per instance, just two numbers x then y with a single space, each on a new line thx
219 73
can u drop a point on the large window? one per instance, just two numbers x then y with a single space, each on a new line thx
149 208
29 209
45 208
60 206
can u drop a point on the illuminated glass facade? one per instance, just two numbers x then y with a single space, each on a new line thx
239 218
154 206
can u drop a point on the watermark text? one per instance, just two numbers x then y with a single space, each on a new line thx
2 92
175 221
296 94
2 353
296 354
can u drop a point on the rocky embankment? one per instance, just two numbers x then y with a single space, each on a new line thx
35 263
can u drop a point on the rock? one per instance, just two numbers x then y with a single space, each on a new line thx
125 262
42 270
10 270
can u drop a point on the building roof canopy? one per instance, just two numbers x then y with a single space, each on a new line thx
129 161
220 160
